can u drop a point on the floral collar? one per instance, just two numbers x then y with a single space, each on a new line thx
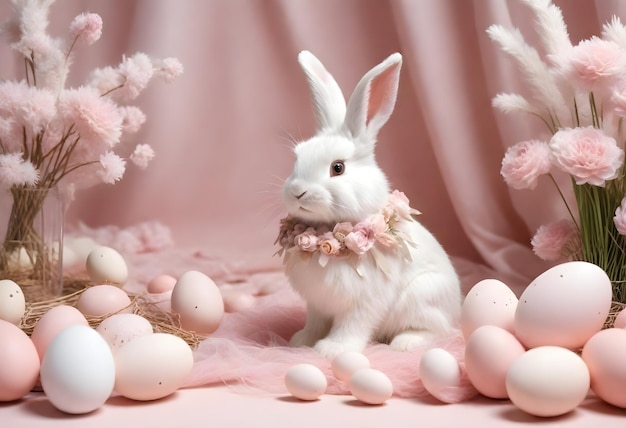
344 240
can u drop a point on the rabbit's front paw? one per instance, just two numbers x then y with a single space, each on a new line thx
303 337
411 339
330 348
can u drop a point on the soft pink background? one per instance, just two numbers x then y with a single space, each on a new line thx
223 131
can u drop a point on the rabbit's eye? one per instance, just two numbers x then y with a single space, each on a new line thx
337 168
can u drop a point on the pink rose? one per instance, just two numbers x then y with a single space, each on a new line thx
400 203
341 230
588 154
329 245
551 240
361 239
307 240
620 218
593 63
524 162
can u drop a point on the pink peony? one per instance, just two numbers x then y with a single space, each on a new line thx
15 171
618 99
620 218
86 27
588 154
142 155
112 168
307 240
594 63
524 162
551 240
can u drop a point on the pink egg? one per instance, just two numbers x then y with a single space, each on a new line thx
371 386
161 284
564 306
489 352
605 356
198 301
52 322
489 302
102 300
119 329
439 372
347 363
235 301
305 382
19 362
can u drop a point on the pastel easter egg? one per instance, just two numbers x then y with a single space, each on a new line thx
489 302
347 363
605 355
564 306
370 386
19 362
489 351
52 323
305 382
161 284
119 329
548 381
101 300
12 302
198 301
106 266
439 371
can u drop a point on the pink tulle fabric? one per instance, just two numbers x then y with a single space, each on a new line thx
250 350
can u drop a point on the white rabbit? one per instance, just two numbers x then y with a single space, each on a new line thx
403 290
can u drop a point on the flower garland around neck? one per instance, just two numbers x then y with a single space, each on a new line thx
346 239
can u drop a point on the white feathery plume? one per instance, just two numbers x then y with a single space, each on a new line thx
615 31
510 103
551 26
544 87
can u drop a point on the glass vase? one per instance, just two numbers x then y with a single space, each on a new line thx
31 222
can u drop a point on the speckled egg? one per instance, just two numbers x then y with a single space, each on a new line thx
12 302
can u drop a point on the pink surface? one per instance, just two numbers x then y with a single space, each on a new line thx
222 133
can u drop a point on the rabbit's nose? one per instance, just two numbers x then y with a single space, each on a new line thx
300 195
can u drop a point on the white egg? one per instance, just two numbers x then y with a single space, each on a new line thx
12 302
548 381
106 266
198 301
439 371
119 329
347 363
152 366
305 382
78 371
371 386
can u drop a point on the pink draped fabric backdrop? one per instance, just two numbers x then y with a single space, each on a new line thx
223 131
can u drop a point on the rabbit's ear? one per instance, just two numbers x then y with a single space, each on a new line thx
328 101
373 99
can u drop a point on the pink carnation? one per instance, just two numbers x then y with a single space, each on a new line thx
524 162
86 27
15 171
551 240
594 62
588 154
620 218
142 155
112 168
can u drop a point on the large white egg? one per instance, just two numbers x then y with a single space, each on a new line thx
371 386
305 382
106 266
439 371
119 329
564 306
548 381
489 352
489 302
78 371
198 302
152 366
12 302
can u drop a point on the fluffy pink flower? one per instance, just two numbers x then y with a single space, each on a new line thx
524 162
86 27
105 79
307 240
112 167
551 240
29 106
618 99
169 69
137 70
361 239
15 171
142 155
620 218
594 62
399 202
96 119
133 119
588 154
